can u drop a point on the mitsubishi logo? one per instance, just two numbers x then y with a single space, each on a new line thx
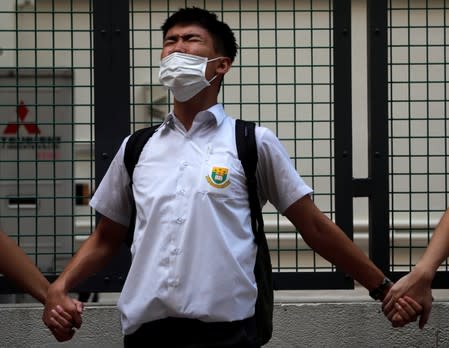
13 128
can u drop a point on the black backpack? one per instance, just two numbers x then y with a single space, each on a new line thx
247 152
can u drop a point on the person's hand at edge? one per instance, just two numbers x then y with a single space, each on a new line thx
61 314
414 288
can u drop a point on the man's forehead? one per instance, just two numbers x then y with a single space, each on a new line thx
187 29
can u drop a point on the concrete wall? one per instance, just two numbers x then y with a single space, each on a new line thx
299 322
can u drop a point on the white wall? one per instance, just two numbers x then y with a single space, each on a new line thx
339 323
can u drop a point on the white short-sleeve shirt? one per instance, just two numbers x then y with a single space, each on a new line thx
193 252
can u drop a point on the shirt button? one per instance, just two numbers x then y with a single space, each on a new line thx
180 220
176 251
182 192
173 283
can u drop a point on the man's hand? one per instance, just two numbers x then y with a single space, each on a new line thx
405 310
412 293
62 314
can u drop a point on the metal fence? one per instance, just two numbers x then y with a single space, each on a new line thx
47 127
294 74
418 126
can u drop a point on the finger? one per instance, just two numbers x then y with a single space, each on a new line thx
391 313
79 306
388 305
398 321
387 298
55 326
423 320
74 317
62 336
62 313
391 316
404 314
77 319
55 316
424 317
407 312
417 308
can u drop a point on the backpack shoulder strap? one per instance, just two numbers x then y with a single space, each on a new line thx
245 135
247 152
134 147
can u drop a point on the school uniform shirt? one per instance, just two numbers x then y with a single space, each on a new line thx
193 251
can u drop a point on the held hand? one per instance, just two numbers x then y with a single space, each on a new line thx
63 318
405 311
61 315
417 286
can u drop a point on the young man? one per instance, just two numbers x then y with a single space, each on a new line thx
418 283
191 282
17 266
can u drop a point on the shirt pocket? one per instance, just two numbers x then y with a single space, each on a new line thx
222 177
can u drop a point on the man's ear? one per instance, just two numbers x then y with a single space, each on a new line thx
224 65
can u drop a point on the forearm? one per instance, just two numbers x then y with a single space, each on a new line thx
328 240
92 257
437 250
18 267
331 243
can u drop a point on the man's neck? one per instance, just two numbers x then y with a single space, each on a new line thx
186 112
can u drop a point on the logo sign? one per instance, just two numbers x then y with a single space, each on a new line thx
13 128
218 177
24 134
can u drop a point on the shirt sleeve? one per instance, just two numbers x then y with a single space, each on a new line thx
113 197
278 180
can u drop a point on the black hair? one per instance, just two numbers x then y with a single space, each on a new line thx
224 39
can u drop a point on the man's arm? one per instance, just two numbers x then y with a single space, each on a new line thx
418 283
92 256
328 240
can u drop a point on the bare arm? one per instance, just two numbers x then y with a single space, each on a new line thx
18 267
437 250
92 256
328 240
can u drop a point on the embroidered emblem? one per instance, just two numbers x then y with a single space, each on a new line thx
218 177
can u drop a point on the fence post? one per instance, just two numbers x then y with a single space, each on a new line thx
112 113
111 74
343 118
378 133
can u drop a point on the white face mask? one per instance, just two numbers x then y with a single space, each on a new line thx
184 74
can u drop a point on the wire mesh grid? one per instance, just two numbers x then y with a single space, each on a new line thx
282 79
418 126
46 108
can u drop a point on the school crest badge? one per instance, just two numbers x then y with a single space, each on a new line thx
218 177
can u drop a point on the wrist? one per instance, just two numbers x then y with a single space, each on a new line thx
381 290
57 287
423 273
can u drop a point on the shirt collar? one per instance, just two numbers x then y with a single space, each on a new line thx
216 111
